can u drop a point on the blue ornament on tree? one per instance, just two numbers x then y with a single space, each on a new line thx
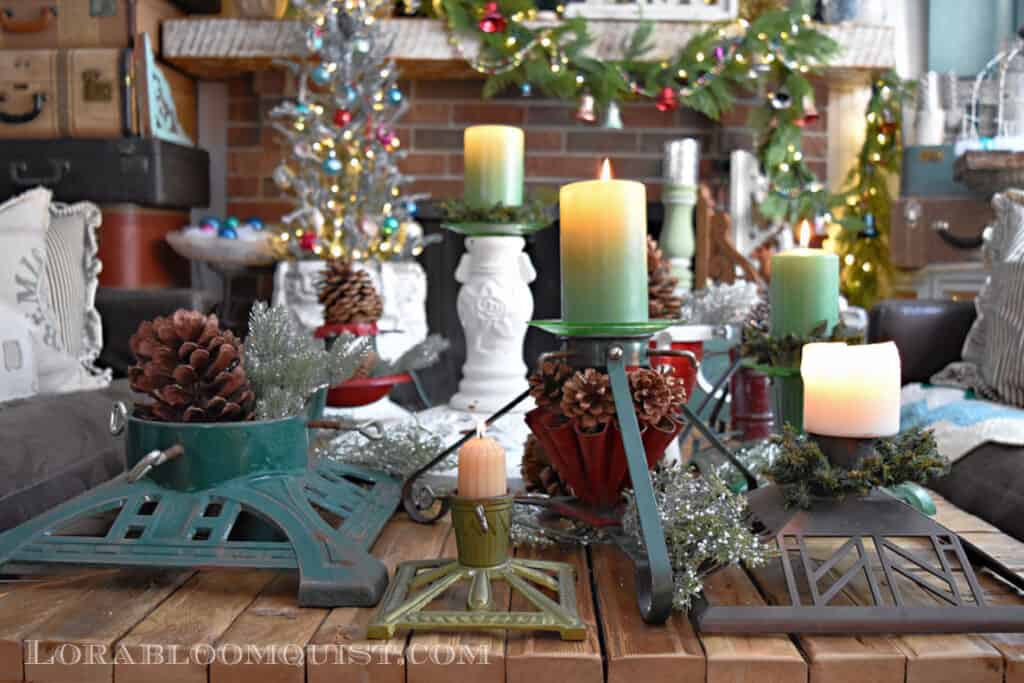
227 233
350 94
315 39
870 230
332 166
390 225
321 75
526 89
231 222
411 208
255 223
302 108
395 95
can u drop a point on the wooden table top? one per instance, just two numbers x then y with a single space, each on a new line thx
151 626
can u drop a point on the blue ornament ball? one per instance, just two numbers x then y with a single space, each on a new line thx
320 75
395 95
526 89
255 223
332 166
350 94
390 225
302 108
209 224
231 222
411 208
228 233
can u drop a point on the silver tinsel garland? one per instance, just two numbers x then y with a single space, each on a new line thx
404 448
704 528
285 365
720 304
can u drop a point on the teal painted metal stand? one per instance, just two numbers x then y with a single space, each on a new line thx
226 495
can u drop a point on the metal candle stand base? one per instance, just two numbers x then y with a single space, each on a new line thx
916 575
614 352
482 535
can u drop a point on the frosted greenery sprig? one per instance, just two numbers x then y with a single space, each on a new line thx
285 365
704 528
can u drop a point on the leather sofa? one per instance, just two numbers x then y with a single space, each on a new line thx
988 481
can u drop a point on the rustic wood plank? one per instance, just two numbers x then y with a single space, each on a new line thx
742 658
339 651
266 642
955 519
427 654
1004 549
836 659
1010 645
76 644
532 657
171 645
634 650
213 47
28 602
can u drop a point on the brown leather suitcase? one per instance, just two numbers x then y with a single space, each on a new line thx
133 249
39 24
83 93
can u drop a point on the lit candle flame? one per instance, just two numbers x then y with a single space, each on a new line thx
805 233
606 169
481 427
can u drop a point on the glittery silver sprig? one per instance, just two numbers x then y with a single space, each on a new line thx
720 304
757 457
405 448
704 528
286 365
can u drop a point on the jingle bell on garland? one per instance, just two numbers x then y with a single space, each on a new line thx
667 100
612 117
492 20
781 100
587 110
810 113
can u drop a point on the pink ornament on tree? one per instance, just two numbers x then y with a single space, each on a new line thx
385 135
493 21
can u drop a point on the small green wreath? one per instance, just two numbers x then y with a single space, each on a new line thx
805 473
532 212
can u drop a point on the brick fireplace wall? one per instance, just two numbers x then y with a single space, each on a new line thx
559 149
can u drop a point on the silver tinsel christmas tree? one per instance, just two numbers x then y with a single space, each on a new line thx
340 146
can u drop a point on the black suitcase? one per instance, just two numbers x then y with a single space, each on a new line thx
143 171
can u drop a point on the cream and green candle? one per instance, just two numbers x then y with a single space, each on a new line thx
604 250
804 291
493 168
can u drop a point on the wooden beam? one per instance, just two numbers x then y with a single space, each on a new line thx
219 48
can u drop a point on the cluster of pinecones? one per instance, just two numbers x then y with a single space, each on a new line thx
348 294
191 369
586 397
662 301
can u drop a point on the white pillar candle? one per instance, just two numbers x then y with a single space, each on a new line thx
851 391
482 471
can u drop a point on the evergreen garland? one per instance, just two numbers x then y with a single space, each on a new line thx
533 212
805 473
762 348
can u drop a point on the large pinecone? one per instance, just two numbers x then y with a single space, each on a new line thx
348 294
547 380
662 301
538 474
587 398
191 368
656 395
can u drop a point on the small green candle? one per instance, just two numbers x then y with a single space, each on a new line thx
493 166
804 291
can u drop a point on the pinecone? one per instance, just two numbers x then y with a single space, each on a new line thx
537 471
348 295
191 368
547 380
662 301
587 398
655 395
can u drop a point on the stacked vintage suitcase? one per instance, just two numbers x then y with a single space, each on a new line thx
87 109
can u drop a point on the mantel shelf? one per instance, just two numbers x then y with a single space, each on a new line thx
221 48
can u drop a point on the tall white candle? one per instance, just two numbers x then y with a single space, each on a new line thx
851 391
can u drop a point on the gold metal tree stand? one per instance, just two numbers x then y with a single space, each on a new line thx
482 536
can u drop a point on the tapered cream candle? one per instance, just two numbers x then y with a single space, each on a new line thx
851 391
482 468
604 250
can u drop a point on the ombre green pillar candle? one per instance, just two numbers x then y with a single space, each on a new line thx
493 169
604 250
804 291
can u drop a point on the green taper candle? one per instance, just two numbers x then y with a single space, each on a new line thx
604 250
493 166
804 291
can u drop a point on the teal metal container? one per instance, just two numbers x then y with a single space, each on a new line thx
217 452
